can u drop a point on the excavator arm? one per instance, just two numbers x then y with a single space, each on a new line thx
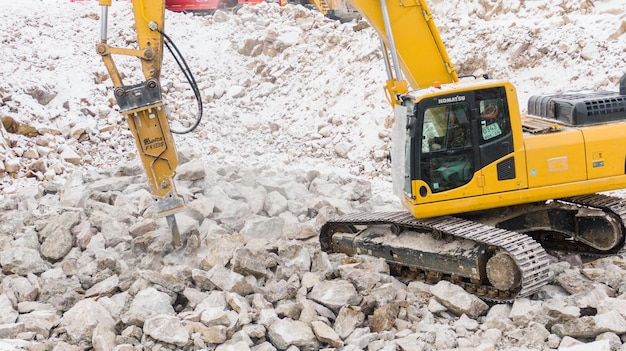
143 107
412 42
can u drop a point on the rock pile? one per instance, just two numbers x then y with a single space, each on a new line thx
58 114
86 265
280 84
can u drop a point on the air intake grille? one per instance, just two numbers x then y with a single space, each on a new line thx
506 169
604 106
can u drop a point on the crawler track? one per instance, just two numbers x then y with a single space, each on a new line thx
528 255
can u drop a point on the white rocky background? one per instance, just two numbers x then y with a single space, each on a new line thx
296 130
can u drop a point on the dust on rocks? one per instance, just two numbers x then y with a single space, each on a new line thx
85 264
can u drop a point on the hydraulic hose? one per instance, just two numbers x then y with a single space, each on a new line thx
180 61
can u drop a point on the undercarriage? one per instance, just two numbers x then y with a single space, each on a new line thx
498 254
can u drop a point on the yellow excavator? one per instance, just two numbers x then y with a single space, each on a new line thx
488 191
142 104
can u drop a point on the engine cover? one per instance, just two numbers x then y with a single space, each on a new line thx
579 108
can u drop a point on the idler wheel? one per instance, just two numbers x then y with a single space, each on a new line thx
502 272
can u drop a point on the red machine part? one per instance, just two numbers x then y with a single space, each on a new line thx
192 5
205 5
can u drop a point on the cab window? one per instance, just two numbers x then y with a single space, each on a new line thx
447 158
493 119
445 128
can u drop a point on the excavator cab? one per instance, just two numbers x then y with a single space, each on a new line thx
454 136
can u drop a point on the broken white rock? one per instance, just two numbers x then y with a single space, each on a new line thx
592 326
287 332
458 300
81 320
602 345
147 303
57 236
40 322
334 294
7 313
228 280
524 310
22 260
326 334
166 328
348 319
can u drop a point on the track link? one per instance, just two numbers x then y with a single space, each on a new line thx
530 257
609 204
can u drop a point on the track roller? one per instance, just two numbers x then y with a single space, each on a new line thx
503 272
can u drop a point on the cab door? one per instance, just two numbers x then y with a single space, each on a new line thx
446 151
500 168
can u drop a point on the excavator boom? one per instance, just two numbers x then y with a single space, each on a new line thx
410 26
